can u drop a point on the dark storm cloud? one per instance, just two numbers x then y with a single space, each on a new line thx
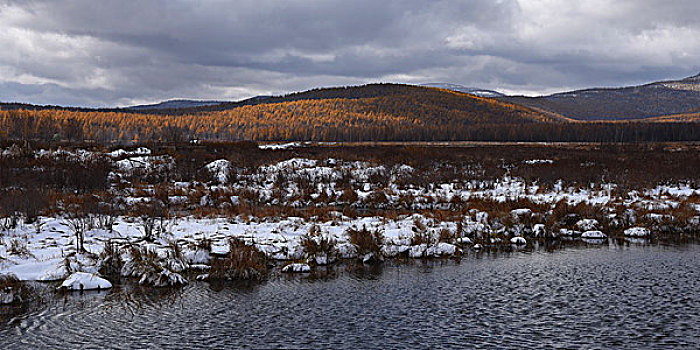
122 52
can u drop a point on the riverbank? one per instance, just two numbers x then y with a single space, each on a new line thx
190 247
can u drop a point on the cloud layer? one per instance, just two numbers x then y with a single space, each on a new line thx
114 52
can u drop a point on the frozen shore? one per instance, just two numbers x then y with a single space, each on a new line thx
219 219
49 253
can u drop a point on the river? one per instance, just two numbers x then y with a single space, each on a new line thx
609 296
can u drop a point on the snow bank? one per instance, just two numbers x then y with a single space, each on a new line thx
141 151
85 281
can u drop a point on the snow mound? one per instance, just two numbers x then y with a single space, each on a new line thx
521 213
637 232
54 273
442 249
346 250
164 278
198 257
85 281
518 240
593 235
143 163
321 259
295 163
297 268
568 233
219 169
463 240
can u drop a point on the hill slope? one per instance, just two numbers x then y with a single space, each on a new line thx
627 103
174 104
368 113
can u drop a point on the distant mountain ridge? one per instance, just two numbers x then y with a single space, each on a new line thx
469 90
662 98
177 103
676 99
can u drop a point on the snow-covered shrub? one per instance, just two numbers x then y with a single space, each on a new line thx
18 247
421 234
152 269
366 240
319 247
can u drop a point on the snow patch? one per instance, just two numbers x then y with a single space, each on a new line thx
277 146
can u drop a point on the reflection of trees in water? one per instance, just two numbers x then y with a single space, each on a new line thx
9 313
365 272
235 286
134 297
323 273
33 296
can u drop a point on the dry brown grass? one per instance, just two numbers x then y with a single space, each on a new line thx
243 262
366 240
315 243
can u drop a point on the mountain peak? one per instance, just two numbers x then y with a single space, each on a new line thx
469 90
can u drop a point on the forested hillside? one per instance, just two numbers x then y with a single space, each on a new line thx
627 103
378 112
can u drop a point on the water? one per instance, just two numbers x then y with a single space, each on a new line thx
604 297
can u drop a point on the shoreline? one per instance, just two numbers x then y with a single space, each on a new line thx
78 215
43 292
193 244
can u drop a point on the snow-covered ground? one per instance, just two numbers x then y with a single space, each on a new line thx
45 250
51 251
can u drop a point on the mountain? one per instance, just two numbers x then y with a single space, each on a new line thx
175 104
421 103
374 112
469 90
656 99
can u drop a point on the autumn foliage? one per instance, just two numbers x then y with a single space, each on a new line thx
379 112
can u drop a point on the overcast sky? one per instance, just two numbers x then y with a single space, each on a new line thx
116 53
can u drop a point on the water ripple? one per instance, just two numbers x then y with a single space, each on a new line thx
601 297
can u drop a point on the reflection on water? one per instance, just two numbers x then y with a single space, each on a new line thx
599 296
